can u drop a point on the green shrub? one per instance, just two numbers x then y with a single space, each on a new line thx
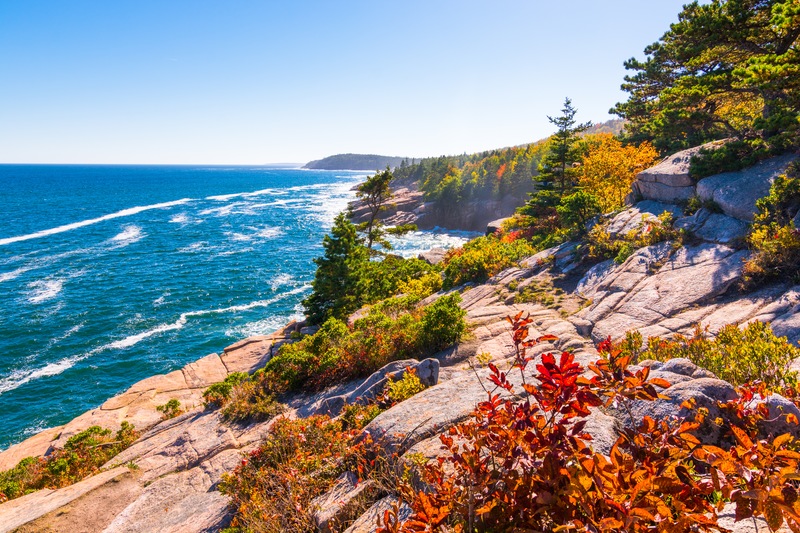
171 409
481 258
442 324
218 393
774 240
404 388
601 245
250 400
82 456
391 331
736 355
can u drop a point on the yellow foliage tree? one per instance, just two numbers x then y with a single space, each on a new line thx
609 168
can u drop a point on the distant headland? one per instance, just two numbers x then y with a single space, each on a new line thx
355 162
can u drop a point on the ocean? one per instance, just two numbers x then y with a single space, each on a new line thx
111 274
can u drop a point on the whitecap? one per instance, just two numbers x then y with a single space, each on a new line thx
225 197
17 378
180 218
261 327
132 340
44 289
129 235
8 276
194 247
281 280
68 227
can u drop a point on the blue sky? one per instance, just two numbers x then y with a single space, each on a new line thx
253 82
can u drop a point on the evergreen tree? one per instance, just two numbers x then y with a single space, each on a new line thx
336 282
374 193
727 68
557 165
557 172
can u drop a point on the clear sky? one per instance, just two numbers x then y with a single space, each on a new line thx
263 81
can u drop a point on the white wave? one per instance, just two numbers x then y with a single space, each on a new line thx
8 276
44 289
129 235
68 227
18 378
412 244
234 252
132 340
180 218
281 280
158 302
261 327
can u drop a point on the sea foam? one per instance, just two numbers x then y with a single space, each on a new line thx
43 290
129 235
183 319
69 227
17 378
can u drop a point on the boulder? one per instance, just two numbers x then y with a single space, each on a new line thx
669 181
714 227
427 371
434 256
495 225
340 500
736 192
635 218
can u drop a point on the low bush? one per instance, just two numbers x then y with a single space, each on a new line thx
527 465
218 393
739 356
481 258
389 332
171 409
774 239
272 489
82 456
601 245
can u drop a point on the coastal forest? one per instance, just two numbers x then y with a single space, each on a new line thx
563 431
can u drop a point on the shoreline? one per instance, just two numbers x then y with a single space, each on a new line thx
137 404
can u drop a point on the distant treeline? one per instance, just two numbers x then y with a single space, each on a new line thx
450 180
355 162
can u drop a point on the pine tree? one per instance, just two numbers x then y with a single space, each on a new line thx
374 193
557 174
336 282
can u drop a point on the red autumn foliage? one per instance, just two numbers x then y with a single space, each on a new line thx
527 464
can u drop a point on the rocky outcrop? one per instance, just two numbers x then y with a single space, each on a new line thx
735 193
669 181
170 475
407 206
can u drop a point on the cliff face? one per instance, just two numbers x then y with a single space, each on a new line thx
407 206
660 290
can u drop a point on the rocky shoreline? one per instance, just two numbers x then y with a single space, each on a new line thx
167 480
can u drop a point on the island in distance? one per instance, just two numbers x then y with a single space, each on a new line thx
355 162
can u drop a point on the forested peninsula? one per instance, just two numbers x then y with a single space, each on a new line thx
619 354
368 162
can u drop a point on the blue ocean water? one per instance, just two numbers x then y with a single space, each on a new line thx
110 274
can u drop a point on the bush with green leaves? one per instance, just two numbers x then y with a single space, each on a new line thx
338 353
737 355
481 258
171 409
601 245
82 456
774 239
218 393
